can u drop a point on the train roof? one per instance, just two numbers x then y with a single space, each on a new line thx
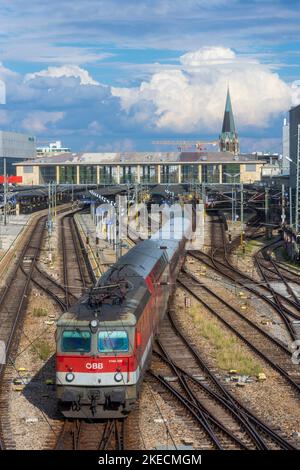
131 270
110 310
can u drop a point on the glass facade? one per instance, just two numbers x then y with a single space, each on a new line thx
128 174
107 174
228 172
68 174
210 173
149 174
47 174
189 174
87 174
169 173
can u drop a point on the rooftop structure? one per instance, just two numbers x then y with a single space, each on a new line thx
229 138
53 148
141 167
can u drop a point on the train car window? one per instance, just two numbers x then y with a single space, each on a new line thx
111 341
76 341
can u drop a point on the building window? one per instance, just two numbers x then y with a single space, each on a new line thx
250 167
68 174
169 173
128 174
47 174
107 174
210 173
88 174
189 174
229 173
149 174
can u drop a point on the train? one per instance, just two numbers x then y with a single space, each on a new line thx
104 342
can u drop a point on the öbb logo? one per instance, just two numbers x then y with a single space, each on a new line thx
94 365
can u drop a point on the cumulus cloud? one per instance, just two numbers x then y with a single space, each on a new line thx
64 71
185 98
192 97
207 56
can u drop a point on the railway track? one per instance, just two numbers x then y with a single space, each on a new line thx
265 261
87 435
13 302
219 261
77 275
226 422
271 350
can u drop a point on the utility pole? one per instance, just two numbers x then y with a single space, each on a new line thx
298 183
242 214
291 206
267 209
282 204
72 193
232 204
49 223
203 194
5 191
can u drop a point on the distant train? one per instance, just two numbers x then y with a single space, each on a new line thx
104 342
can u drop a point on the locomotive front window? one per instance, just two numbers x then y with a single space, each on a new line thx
76 341
111 341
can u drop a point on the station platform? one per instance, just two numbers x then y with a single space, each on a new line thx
101 255
10 232
11 241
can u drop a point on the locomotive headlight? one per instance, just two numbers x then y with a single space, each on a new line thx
118 376
94 325
70 377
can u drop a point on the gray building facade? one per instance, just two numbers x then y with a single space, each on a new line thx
294 122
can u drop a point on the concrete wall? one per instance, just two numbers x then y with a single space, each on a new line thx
31 175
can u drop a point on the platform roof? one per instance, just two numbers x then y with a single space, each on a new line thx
131 158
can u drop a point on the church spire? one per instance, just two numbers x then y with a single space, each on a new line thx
229 138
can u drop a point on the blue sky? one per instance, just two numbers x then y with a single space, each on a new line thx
116 75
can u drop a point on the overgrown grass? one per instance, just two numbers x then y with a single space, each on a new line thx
250 246
40 312
42 349
229 353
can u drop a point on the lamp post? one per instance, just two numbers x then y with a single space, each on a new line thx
5 191
297 195
297 181
233 196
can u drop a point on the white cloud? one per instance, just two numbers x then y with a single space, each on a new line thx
64 71
208 55
37 121
296 92
192 98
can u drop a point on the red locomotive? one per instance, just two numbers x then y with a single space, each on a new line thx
104 342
